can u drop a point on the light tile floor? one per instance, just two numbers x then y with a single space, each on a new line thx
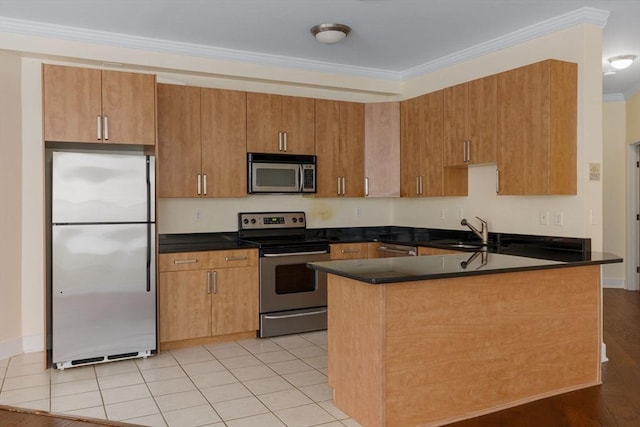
280 381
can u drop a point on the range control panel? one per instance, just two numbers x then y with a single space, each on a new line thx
271 220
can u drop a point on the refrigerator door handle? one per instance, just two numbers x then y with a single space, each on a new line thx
149 195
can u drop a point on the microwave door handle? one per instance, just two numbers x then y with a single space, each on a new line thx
300 179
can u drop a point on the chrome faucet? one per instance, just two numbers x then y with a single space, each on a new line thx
483 233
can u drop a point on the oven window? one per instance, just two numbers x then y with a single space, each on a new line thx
293 278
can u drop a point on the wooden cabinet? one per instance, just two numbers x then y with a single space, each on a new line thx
201 142
98 106
470 113
350 251
421 150
204 295
382 149
537 129
425 250
280 124
339 148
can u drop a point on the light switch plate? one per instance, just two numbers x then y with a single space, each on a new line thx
594 171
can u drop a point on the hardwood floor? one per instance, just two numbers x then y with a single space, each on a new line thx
615 403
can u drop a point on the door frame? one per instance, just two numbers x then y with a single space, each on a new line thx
633 225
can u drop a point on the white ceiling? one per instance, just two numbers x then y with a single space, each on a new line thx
390 38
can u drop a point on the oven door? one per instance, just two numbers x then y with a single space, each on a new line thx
287 284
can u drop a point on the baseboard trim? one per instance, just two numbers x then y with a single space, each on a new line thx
32 343
10 347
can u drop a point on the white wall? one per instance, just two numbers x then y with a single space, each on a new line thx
11 207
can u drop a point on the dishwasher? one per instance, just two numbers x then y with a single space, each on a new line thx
386 250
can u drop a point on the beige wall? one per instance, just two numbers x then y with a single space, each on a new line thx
633 119
580 43
11 206
614 189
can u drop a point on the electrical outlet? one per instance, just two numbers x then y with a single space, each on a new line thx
558 218
543 217
460 213
358 211
442 213
197 215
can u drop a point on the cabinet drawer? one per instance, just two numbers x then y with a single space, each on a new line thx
349 250
207 259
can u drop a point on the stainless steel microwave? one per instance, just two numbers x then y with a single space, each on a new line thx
281 173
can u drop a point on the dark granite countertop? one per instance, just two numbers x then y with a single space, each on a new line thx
193 242
408 269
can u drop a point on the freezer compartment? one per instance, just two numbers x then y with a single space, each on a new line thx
103 291
99 188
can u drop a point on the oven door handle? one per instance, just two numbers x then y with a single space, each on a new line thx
287 316
295 254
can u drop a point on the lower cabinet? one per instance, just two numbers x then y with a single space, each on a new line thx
353 250
204 296
424 250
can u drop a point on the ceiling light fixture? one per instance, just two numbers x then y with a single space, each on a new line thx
621 62
330 33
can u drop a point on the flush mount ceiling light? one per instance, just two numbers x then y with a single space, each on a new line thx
330 33
621 62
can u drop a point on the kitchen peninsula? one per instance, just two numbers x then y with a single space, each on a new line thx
434 339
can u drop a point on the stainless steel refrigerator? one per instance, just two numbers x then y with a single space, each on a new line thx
103 249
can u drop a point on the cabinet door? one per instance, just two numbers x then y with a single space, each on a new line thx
523 148
327 149
235 300
482 113
351 152
410 147
72 104
129 107
455 124
382 149
432 143
224 143
349 251
184 306
178 141
264 112
298 115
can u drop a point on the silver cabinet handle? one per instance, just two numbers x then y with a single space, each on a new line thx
421 185
344 185
418 185
285 141
366 185
468 150
208 283
279 141
338 186
235 258
396 251
215 282
498 181
99 127
185 261
205 184
199 184
296 254
465 147
106 128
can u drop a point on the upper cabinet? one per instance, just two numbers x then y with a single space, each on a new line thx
421 150
382 149
280 124
537 129
470 119
340 148
201 142
98 106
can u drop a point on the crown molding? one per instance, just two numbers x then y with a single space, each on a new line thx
579 16
613 97
585 15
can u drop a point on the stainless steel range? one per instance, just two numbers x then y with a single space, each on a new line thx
293 298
